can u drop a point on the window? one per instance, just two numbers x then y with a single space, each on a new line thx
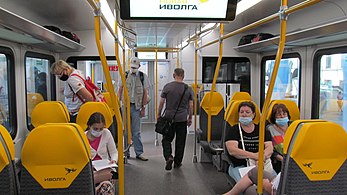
39 81
329 85
7 91
287 84
232 70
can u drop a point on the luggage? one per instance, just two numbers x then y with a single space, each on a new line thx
54 29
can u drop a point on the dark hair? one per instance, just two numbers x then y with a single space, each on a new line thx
179 72
275 109
96 117
248 104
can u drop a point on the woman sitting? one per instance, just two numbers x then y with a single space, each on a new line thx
102 147
280 120
242 141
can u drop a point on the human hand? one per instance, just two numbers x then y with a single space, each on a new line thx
113 162
142 112
189 122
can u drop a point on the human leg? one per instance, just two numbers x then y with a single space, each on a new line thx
167 149
135 129
243 184
181 135
234 172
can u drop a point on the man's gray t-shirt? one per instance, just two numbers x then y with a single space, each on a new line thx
172 92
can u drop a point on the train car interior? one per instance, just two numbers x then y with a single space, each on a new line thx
267 52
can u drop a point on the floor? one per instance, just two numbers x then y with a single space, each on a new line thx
150 177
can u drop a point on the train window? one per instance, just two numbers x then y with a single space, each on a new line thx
287 84
330 86
232 70
7 91
38 81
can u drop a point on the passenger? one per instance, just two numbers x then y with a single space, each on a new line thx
171 96
41 86
249 141
339 101
248 184
138 98
74 88
102 146
280 120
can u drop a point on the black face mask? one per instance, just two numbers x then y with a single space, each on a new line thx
64 77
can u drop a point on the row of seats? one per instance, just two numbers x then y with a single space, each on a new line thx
307 142
55 156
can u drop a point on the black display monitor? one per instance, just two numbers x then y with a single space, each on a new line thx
178 10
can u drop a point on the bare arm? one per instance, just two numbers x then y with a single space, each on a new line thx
120 91
235 151
190 113
85 95
160 108
268 149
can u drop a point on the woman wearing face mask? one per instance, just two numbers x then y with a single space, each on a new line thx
242 140
74 90
102 146
280 120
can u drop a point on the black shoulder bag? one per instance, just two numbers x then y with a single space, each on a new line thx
163 125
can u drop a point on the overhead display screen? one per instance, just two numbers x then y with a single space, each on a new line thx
202 10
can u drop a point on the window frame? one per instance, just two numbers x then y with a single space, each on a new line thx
262 74
51 59
12 90
316 76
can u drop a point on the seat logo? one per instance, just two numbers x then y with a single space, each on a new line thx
68 170
308 165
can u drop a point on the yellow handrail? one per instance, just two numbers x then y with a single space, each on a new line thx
213 88
269 95
263 21
113 98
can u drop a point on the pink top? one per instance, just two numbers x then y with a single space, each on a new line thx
95 144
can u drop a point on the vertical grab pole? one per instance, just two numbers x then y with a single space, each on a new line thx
213 88
113 96
283 20
156 141
195 158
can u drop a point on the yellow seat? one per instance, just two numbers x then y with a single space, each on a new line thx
50 112
292 108
56 160
9 181
88 108
32 100
315 154
237 96
233 115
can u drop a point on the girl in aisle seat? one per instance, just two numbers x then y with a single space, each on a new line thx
102 147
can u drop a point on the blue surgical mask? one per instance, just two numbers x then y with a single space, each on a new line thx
245 120
282 121
96 133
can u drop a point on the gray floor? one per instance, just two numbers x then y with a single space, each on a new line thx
151 177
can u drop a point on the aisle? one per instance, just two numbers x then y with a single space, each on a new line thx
151 178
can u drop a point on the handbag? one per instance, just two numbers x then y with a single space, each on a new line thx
163 125
250 162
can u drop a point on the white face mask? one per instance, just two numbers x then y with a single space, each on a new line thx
134 70
96 133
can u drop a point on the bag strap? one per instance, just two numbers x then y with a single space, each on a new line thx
84 82
184 91
243 144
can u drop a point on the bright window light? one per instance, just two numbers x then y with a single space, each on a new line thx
151 55
106 11
244 5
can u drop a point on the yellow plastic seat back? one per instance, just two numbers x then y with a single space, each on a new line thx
217 103
233 115
291 106
32 100
56 160
9 182
88 108
50 112
237 96
315 154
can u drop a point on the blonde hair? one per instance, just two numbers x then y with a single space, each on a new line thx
59 66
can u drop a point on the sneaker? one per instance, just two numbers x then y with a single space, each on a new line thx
168 166
140 157
177 165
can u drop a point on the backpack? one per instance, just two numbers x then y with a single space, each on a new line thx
92 89
142 78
